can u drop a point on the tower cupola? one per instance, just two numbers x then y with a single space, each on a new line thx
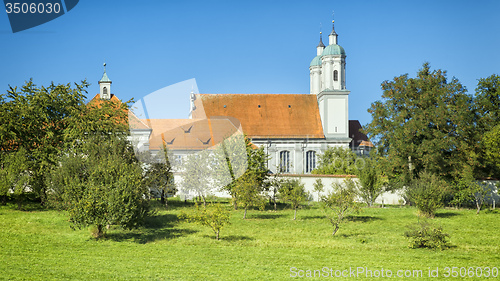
105 86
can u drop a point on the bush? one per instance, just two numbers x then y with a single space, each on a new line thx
425 235
427 193
214 216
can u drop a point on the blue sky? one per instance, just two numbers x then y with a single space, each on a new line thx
251 46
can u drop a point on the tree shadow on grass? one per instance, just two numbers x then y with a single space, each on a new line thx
230 238
312 217
363 218
447 215
266 216
155 228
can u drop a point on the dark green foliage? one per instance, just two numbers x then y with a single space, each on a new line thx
100 187
491 150
294 192
428 118
214 216
427 193
159 177
36 118
337 161
14 176
424 235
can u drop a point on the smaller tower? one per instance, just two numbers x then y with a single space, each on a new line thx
315 68
105 86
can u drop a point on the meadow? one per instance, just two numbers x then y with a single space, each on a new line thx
38 244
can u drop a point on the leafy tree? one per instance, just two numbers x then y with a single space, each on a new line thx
491 149
242 160
249 190
36 118
159 176
213 216
427 193
318 187
427 118
273 185
487 103
102 186
371 184
340 203
336 161
469 189
15 176
293 191
196 174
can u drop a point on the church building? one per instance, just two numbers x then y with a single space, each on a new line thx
293 129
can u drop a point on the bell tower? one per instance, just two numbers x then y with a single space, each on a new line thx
105 86
333 97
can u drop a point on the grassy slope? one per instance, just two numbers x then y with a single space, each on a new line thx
40 245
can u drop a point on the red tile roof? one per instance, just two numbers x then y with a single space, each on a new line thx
266 115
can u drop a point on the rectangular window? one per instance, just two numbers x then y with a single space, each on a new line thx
285 161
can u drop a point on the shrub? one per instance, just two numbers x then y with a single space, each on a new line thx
213 216
425 235
427 193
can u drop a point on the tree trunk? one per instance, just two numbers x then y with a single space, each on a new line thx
204 201
245 214
4 200
19 202
274 203
235 203
335 229
166 202
478 206
162 197
295 214
217 235
100 232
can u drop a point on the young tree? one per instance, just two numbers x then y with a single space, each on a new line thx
213 216
196 174
336 161
469 189
293 191
242 160
318 187
427 193
101 186
427 118
371 185
249 190
159 176
340 203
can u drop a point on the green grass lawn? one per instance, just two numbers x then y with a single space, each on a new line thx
40 245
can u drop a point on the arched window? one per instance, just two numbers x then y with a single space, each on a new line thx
105 92
285 161
310 161
335 75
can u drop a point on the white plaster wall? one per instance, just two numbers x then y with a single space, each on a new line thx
336 116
